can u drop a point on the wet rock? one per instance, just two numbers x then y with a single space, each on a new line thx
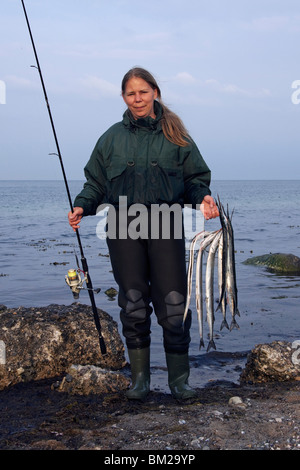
277 262
111 292
86 380
237 402
44 342
275 362
48 444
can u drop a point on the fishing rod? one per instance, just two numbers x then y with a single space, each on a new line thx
73 279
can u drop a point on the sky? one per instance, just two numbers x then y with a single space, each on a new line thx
227 68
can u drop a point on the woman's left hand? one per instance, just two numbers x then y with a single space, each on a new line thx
209 208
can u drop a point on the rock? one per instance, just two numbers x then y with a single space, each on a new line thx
277 262
237 402
49 444
278 361
44 342
111 292
86 380
196 443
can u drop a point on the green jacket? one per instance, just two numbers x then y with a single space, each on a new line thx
134 159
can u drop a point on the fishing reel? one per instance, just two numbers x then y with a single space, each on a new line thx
75 282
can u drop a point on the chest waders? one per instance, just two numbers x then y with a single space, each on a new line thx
151 275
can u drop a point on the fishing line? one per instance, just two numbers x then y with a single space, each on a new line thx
87 278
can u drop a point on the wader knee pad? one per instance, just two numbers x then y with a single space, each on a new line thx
133 300
176 334
175 306
135 318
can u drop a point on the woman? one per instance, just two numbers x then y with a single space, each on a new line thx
149 158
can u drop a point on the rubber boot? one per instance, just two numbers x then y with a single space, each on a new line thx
140 373
178 374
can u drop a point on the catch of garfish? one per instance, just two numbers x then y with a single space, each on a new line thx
219 242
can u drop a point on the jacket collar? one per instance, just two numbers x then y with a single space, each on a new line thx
144 123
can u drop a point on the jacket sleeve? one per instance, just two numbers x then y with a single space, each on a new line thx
94 188
197 175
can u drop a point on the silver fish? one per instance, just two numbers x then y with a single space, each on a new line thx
221 282
199 283
197 237
223 256
209 296
190 274
221 241
231 279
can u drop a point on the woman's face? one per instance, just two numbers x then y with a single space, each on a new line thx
139 97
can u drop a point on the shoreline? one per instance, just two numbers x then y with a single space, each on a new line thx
227 413
266 417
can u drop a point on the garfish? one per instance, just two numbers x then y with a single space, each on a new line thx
190 270
222 256
190 274
221 240
209 281
221 282
231 285
199 288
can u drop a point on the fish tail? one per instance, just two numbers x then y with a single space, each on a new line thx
234 325
224 324
211 344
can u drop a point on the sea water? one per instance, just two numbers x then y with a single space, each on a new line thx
37 247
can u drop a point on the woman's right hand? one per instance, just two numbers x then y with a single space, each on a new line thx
75 217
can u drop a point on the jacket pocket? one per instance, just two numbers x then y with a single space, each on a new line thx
120 182
168 184
115 171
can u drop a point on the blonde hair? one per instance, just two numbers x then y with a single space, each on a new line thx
172 126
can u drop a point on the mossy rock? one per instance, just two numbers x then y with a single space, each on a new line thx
277 262
111 292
